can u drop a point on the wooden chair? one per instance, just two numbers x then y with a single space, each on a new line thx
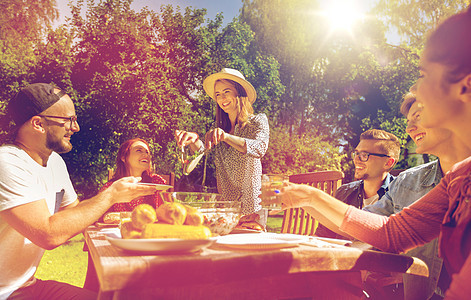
170 178
297 220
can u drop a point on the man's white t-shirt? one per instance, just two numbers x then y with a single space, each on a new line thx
23 180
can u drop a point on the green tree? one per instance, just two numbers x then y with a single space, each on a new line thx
297 154
286 30
337 84
122 89
140 73
333 80
21 21
413 19
22 29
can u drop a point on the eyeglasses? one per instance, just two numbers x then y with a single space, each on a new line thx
71 119
364 156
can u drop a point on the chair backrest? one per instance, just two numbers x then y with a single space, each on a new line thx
297 220
169 178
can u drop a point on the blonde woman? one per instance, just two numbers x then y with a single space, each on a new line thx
238 139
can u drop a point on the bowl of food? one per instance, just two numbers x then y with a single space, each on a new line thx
219 216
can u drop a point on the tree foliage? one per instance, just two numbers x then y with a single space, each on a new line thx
22 27
139 74
20 22
297 154
413 19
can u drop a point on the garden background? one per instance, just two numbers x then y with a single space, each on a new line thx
139 74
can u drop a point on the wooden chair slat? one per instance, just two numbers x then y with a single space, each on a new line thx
298 221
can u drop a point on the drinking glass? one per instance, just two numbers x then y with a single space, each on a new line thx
271 183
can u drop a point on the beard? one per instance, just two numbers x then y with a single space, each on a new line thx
56 144
361 176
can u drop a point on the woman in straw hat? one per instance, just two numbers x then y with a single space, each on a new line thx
238 139
444 91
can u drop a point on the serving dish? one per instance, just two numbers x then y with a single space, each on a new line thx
105 225
160 187
244 230
264 240
155 245
219 215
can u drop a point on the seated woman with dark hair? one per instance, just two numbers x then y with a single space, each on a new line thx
134 159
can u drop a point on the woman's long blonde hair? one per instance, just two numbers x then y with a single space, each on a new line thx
244 108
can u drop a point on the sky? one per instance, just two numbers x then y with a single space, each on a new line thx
229 8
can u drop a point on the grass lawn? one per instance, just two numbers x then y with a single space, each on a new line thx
68 263
274 222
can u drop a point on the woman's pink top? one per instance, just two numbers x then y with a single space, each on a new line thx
154 200
445 211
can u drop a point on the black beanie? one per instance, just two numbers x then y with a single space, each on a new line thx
31 101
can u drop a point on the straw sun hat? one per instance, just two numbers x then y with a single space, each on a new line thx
234 75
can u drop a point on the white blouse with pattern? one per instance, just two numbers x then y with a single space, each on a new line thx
239 174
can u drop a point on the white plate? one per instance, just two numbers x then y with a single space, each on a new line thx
335 241
264 240
320 242
155 245
100 224
160 187
244 230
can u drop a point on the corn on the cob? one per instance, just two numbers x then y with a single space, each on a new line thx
168 231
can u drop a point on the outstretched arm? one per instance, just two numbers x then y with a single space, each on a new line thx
34 221
413 226
323 207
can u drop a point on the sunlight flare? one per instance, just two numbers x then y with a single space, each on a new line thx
342 14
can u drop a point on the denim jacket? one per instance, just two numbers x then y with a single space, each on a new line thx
352 194
407 188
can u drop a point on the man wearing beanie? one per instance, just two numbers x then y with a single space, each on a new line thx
39 208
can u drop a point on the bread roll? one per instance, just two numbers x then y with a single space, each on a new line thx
171 213
251 225
142 215
128 231
112 218
193 216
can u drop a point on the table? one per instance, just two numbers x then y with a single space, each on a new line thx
221 273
